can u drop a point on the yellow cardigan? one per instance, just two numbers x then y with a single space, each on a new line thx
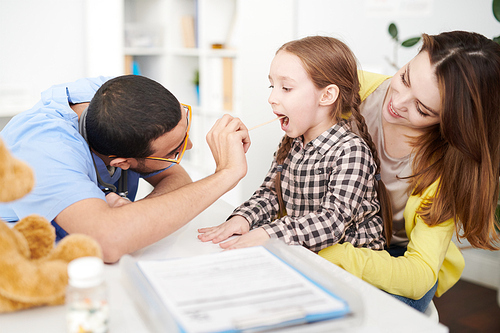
431 254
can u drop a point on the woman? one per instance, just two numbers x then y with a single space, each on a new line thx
435 124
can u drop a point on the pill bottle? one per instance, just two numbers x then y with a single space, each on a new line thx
87 308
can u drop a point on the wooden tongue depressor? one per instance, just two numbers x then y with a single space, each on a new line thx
265 123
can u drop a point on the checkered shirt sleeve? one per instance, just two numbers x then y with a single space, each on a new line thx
263 206
328 187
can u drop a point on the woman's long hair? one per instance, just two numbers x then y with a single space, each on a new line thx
329 61
463 151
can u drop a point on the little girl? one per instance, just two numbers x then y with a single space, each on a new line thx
322 185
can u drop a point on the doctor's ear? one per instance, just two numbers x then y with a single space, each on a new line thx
120 162
330 95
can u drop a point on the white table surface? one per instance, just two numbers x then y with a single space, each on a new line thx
381 312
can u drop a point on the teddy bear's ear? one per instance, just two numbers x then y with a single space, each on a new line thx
16 177
39 234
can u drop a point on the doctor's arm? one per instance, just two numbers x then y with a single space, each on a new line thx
127 228
168 180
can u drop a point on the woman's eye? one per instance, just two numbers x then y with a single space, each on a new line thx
287 89
403 79
271 86
421 112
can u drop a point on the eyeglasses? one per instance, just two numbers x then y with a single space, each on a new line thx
182 150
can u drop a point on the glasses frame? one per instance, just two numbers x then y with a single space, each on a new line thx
177 160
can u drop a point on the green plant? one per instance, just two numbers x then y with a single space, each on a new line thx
196 78
496 12
393 32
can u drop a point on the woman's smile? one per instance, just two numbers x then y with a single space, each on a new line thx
393 112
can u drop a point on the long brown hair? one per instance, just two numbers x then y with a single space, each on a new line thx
329 61
462 153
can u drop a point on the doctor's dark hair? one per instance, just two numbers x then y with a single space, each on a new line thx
127 113
329 61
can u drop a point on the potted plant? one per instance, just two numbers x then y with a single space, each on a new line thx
196 82
393 32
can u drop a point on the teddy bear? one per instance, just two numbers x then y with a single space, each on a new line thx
33 270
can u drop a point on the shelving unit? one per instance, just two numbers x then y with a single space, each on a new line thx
157 41
250 31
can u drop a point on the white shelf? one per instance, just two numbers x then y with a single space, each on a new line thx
223 53
249 46
144 51
186 52
182 52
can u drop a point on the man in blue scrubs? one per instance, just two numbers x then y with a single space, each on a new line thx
88 143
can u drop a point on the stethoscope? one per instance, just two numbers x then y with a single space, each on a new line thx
122 189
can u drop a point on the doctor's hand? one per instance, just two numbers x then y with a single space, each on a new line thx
253 238
236 225
229 141
114 200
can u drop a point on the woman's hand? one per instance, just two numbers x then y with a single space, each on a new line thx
236 225
253 238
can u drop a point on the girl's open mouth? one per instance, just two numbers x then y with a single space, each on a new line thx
284 122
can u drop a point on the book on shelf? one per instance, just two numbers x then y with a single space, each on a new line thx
128 64
131 66
227 84
188 31
251 289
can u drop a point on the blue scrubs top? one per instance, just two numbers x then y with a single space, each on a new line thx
46 137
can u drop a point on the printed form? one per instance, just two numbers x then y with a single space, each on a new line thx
238 290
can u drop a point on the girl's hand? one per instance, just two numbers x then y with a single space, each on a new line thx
236 225
255 237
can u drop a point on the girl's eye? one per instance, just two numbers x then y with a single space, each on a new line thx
287 89
271 86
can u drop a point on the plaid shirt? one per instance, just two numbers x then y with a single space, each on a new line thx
329 191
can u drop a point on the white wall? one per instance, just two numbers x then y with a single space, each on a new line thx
46 42
265 31
363 24
38 47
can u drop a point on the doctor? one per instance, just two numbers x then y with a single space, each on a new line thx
90 141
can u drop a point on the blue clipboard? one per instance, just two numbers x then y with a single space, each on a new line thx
159 317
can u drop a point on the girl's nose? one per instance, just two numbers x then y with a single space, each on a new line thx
272 97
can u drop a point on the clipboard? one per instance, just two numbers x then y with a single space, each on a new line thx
156 286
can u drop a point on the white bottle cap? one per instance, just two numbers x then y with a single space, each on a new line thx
86 272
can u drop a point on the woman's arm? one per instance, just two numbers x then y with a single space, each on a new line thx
431 256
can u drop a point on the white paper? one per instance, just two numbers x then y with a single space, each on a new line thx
236 289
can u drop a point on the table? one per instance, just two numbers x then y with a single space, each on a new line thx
381 312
